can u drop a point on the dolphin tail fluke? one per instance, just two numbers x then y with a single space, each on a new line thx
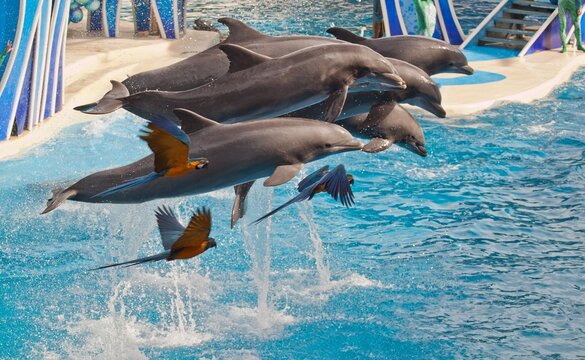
59 195
239 208
143 260
112 100
128 185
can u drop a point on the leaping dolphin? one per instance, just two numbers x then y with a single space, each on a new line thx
258 86
237 153
389 121
432 55
428 54
420 91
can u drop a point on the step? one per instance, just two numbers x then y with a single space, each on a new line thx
488 39
536 4
526 12
518 21
511 31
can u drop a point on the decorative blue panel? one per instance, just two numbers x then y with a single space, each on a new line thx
142 15
11 86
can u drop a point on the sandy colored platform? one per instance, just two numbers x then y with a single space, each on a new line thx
91 63
527 79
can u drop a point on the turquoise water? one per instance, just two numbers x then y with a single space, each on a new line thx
476 251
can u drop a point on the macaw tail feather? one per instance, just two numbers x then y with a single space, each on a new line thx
143 260
112 101
126 185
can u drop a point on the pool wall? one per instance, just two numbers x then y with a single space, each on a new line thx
399 19
31 86
169 15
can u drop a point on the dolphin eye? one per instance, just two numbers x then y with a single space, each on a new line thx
327 145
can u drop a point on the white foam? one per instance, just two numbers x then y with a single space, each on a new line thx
116 337
431 173
297 287
541 128
264 323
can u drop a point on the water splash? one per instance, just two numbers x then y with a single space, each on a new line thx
257 245
163 300
307 214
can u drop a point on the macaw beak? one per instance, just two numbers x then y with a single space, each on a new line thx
210 244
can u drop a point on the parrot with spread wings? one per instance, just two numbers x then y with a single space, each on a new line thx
179 242
336 183
170 146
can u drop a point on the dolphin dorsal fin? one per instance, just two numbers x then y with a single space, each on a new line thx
192 122
241 58
239 32
345 35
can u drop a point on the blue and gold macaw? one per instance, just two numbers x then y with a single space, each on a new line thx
336 183
170 146
179 242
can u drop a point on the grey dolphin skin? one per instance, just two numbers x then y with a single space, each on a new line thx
420 91
261 87
238 153
432 55
389 121
212 63
392 122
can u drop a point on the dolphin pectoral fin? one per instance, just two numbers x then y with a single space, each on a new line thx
335 103
239 208
239 32
282 174
59 196
378 112
241 58
345 35
192 122
377 145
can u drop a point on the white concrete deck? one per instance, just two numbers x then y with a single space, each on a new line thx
527 79
91 63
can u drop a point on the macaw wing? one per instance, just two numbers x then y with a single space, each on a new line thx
338 186
169 227
196 232
168 150
312 178
172 128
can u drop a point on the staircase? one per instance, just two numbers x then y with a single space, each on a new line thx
515 26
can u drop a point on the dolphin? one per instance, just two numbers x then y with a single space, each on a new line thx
258 86
420 91
237 153
212 63
389 121
432 55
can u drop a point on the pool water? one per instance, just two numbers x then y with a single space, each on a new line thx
476 251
